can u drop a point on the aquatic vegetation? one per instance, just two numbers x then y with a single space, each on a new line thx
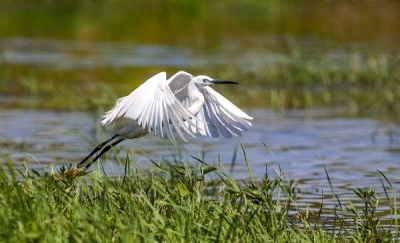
363 86
299 83
58 95
178 202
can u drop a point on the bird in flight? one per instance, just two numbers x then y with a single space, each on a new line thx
181 105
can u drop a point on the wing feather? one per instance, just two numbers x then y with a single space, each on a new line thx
153 106
219 116
166 123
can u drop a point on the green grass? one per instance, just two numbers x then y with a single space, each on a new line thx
178 203
366 86
300 83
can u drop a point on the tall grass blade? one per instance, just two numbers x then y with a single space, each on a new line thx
233 161
248 165
395 210
331 187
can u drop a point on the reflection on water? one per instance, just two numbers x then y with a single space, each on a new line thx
299 144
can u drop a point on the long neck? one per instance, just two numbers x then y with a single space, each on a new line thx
196 99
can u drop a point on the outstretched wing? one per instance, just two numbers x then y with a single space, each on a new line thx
179 85
153 107
219 116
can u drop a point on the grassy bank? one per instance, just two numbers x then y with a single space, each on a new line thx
179 203
366 86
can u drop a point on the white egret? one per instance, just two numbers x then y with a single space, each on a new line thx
183 104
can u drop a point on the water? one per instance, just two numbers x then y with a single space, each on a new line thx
298 144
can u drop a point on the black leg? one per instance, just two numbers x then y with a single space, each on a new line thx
106 148
97 148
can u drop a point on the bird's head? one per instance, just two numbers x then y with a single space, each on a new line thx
203 80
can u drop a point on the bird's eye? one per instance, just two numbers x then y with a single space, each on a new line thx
205 80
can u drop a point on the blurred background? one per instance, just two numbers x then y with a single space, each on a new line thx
320 78
293 54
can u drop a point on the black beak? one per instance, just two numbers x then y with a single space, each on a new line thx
216 81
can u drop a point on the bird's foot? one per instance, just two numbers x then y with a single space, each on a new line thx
71 173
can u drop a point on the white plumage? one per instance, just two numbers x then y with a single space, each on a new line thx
183 105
